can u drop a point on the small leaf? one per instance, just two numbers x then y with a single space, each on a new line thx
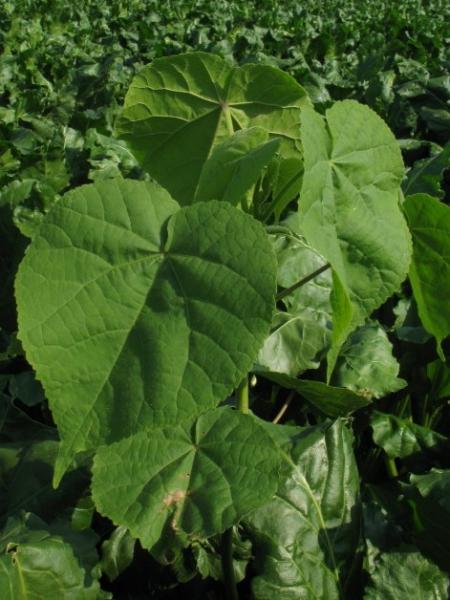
193 481
435 485
426 175
117 552
331 401
429 221
401 438
366 364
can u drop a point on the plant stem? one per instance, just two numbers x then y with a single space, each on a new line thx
228 119
229 579
242 396
284 408
391 467
302 282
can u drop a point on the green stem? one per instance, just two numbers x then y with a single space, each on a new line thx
242 396
391 467
229 578
302 282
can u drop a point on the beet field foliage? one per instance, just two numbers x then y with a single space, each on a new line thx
224 302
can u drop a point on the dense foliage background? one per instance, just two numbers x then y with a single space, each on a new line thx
64 71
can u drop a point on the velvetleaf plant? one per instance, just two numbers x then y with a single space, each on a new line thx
143 305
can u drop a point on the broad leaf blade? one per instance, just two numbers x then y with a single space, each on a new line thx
429 221
126 328
187 480
305 538
349 208
178 108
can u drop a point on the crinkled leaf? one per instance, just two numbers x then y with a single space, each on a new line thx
193 480
235 166
304 539
350 211
180 107
366 364
135 312
406 574
429 222
401 438
330 400
37 563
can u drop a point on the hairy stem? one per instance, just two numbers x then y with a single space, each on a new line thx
302 282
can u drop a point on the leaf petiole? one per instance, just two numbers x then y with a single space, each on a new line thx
302 282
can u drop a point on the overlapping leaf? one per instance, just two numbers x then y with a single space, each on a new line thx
195 480
180 107
429 221
305 538
141 313
350 211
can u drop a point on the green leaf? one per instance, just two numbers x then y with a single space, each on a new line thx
117 552
401 438
305 538
366 364
180 107
435 486
300 337
406 574
36 563
187 480
29 484
295 343
426 175
235 166
429 222
330 400
134 312
350 211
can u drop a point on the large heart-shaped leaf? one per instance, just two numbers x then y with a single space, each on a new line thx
350 210
134 312
194 480
178 109
304 539
429 221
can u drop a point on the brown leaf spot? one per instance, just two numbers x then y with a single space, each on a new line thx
174 497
